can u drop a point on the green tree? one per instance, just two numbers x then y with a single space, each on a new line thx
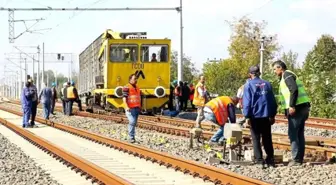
319 77
228 75
189 70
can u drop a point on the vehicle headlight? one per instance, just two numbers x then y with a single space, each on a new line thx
159 92
118 91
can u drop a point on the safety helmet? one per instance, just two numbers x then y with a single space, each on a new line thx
53 84
72 83
175 82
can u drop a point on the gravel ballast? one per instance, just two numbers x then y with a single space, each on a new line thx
178 146
16 168
276 128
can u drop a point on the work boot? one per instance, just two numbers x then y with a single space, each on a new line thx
131 140
294 163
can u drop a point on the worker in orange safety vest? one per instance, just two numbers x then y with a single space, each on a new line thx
218 111
132 104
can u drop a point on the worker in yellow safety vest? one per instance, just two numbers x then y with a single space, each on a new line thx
218 111
296 103
200 99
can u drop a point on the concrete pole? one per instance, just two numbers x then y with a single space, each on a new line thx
20 81
25 68
38 69
180 62
261 58
47 80
43 62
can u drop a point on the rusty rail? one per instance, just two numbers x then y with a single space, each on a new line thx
96 173
314 122
155 123
216 175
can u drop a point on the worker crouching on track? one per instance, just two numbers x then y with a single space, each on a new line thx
296 103
218 111
260 108
45 99
26 102
132 104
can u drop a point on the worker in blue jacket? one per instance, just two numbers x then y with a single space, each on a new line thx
26 102
259 109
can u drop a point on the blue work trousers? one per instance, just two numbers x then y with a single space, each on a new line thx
219 135
46 109
132 116
296 125
69 107
26 115
64 106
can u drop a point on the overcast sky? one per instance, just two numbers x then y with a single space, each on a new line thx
298 23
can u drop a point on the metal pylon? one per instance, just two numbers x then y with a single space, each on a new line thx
11 26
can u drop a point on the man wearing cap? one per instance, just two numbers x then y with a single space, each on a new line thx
296 103
53 98
33 89
259 109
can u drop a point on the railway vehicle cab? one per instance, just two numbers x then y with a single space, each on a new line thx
123 54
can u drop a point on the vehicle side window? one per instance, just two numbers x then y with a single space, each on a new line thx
124 53
154 53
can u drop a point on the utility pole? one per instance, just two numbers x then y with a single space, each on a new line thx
262 49
25 63
42 61
38 69
180 63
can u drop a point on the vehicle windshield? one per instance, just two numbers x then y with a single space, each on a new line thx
124 52
154 53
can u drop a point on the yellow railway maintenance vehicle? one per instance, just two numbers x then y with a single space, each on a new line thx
106 64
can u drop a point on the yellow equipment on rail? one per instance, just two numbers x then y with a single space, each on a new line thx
106 64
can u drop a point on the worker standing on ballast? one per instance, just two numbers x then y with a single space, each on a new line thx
72 96
200 99
218 111
53 98
132 104
45 98
296 103
63 98
26 102
260 108
34 102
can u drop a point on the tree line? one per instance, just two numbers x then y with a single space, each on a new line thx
317 71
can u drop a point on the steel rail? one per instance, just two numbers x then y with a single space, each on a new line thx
314 122
216 175
96 173
280 141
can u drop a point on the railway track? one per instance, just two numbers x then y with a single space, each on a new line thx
320 145
107 161
313 122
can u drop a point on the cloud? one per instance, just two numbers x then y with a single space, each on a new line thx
298 31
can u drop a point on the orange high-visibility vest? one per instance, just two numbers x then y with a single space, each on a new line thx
198 99
134 96
219 108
